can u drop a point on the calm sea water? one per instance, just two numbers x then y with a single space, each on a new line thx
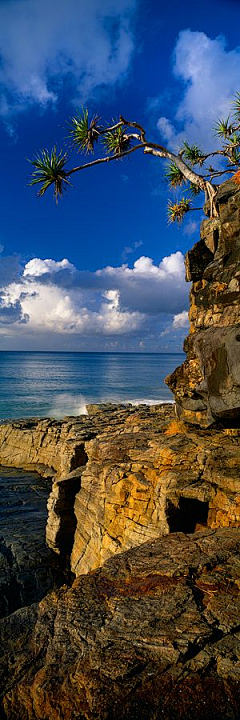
57 384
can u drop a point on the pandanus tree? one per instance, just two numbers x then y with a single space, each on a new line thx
189 168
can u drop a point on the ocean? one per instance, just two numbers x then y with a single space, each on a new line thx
55 384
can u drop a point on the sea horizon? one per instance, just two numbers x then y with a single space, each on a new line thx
55 384
94 352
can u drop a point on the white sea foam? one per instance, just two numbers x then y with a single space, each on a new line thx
74 405
135 401
68 404
148 401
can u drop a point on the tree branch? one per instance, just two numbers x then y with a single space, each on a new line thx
189 174
135 125
107 159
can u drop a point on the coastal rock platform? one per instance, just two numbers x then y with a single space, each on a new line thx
152 634
145 511
123 475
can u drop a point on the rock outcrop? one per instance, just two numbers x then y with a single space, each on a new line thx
148 477
144 474
152 634
207 385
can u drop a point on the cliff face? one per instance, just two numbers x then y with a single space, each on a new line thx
207 385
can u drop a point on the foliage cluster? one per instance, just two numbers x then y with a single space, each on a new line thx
190 168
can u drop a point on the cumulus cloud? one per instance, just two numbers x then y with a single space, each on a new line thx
181 320
42 44
11 311
51 309
37 267
209 73
54 298
146 288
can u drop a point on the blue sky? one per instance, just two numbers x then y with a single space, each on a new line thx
173 67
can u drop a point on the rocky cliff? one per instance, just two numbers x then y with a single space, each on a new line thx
207 385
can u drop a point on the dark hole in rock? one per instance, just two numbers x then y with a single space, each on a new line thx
238 338
187 515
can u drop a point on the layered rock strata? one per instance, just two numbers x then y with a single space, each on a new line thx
150 477
152 634
144 474
207 385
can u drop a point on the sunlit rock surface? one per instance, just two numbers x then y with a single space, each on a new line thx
207 385
143 473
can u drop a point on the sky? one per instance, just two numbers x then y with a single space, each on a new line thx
103 270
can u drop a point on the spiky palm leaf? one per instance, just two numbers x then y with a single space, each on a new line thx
234 139
223 128
236 105
49 170
116 141
194 189
232 147
193 154
176 211
84 132
174 176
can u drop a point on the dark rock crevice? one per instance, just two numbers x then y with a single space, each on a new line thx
28 569
62 522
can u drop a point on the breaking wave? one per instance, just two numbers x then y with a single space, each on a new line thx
68 404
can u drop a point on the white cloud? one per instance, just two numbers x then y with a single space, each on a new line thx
54 299
167 130
11 311
38 267
181 320
42 44
50 309
210 75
